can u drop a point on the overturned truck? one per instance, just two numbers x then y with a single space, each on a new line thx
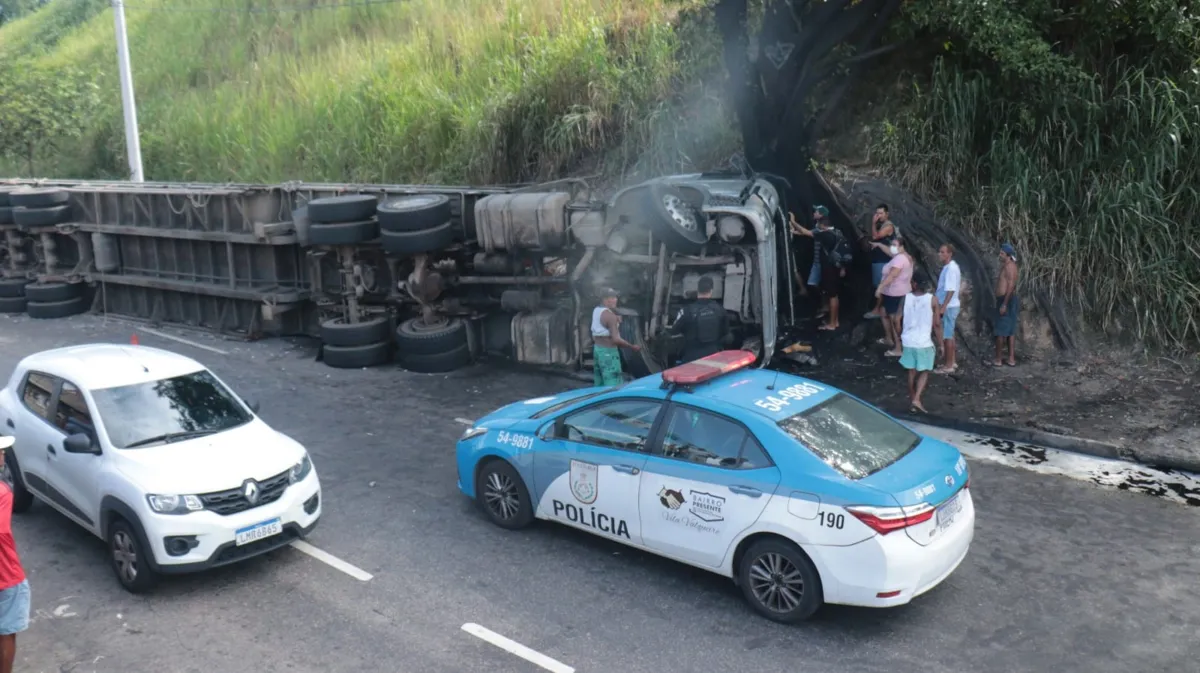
429 277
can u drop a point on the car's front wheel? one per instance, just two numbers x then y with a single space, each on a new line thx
502 494
128 557
779 581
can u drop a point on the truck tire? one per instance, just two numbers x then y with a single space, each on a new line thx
49 310
673 220
417 242
338 332
338 209
414 337
355 357
38 198
48 292
6 215
41 217
637 364
435 363
343 233
414 213
12 304
13 287
4 199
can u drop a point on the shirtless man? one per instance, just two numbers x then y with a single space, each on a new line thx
1008 306
606 337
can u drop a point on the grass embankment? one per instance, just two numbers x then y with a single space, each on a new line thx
479 91
1097 183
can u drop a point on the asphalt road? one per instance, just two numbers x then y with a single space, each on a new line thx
1063 575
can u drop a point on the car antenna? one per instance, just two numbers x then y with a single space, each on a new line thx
773 380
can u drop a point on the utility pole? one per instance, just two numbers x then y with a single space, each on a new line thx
132 145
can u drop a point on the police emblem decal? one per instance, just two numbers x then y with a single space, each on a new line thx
585 481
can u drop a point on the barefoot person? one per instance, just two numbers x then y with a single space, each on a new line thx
921 337
606 336
14 588
831 250
1008 306
883 232
949 283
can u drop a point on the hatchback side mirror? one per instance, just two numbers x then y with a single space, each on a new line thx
80 443
253 407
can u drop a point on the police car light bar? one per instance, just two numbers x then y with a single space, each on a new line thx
708 368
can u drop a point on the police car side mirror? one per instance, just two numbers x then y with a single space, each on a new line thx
548 431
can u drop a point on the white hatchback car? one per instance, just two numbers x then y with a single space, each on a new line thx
150 451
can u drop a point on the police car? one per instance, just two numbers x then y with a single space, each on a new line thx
801 493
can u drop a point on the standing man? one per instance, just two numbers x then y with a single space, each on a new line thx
834 254
1008 305
949 282
883 232
606 338
921 337
703 323
14 588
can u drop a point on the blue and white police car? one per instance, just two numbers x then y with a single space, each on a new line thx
801 493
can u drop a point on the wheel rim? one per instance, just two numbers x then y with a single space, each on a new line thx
679 212
776 582
418 200
500 495
125 556
438 323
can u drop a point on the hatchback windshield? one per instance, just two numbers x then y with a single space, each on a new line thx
170 410
851 437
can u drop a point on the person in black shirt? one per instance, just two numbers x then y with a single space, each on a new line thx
703 323
831 248
882 232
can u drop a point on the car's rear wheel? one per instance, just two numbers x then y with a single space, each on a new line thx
779 581
129 558
502 494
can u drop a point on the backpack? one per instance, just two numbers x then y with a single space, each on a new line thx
842 254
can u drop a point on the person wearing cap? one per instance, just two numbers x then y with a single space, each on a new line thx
920 336
606 338
814 271
14 587
1008 306
828 240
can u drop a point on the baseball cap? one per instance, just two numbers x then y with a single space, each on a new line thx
6 443
821 209
1008 250
607 292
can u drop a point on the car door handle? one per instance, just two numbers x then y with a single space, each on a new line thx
746 490
627 469
10 423
52 450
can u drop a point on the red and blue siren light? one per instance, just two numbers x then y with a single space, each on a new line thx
708 368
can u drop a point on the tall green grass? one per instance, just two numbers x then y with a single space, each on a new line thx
481 91
1097 183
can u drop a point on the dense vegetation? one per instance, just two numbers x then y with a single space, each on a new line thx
1065 126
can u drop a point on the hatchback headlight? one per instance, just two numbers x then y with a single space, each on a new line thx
472 432
174 504
300 470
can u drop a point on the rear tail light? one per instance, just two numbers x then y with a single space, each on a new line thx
884 520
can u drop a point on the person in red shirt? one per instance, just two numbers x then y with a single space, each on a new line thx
14 588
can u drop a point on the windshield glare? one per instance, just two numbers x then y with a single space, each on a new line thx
189 405
851 437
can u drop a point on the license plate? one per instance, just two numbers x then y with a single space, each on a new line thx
947 512
258 531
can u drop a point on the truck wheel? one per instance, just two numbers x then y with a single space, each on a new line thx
674 220
13 304
4 200
417 242
435 363
343 233
49 310
641 363
129 561
338 209
415 337
414 213
355 357
6 216
41 217
338 332
37 198
13 287
44 292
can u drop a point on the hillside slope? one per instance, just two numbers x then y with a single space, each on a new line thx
382 91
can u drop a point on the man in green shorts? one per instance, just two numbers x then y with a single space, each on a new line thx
606 337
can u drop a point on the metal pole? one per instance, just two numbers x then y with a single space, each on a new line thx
132 145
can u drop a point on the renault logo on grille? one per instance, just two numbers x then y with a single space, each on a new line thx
949 480
250 490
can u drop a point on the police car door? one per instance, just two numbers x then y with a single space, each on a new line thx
589 467
705 482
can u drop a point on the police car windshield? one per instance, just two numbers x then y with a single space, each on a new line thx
851 437
174 409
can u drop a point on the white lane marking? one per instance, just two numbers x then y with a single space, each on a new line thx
464 421
181 340
513 647
1173 485
330 559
